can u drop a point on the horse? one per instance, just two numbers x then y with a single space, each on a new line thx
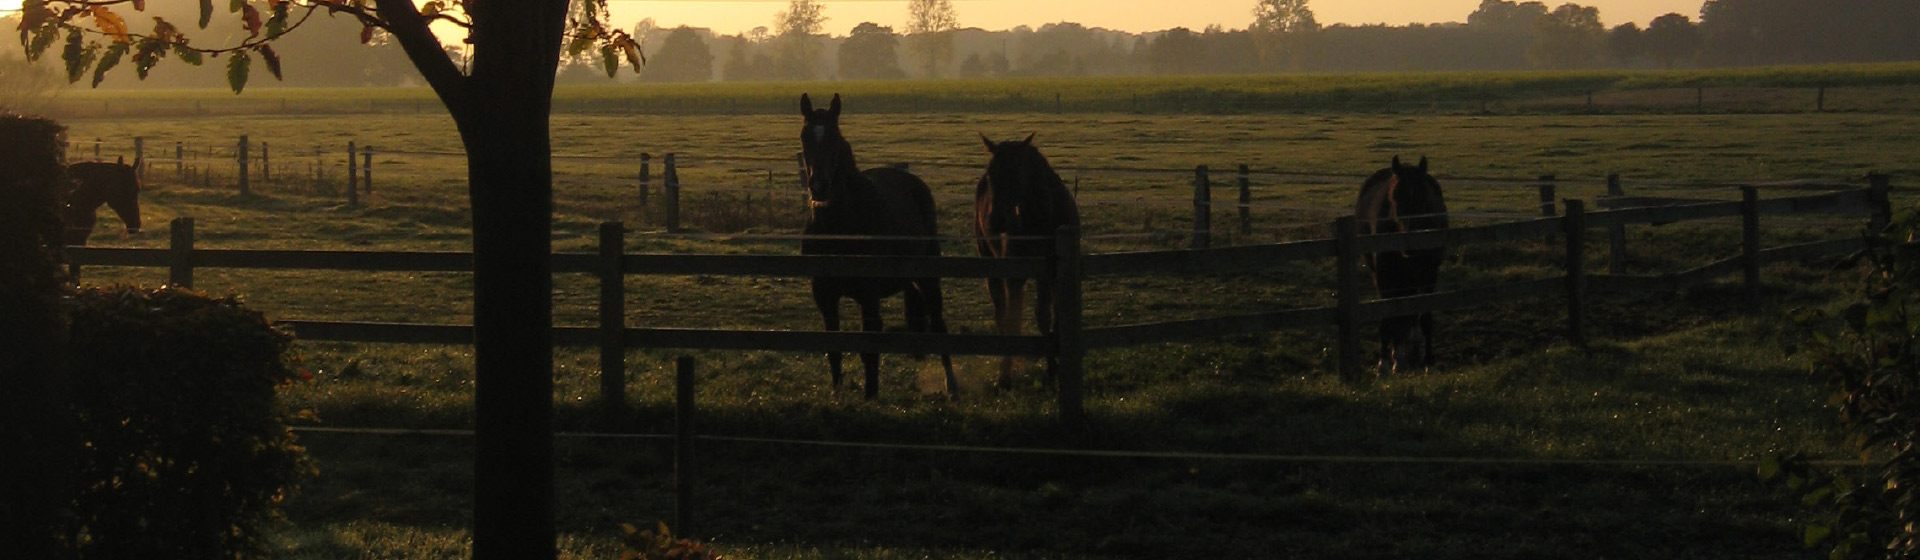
1019 199
884 212
117 185
1402 198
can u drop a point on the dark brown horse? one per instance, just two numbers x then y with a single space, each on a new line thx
1403 198
883 211
1018 206
116 185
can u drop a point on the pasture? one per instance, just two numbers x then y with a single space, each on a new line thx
1517 446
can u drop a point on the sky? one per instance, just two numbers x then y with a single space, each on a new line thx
733 16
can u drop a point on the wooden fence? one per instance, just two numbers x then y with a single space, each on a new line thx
1072 339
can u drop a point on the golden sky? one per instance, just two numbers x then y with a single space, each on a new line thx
732 16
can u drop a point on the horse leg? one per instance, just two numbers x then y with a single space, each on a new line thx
1043 320
1426 330
1385 366
997 291
1016 299
870 321
829 305
935 319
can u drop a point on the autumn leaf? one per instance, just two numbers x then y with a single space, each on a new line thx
366 35
166 32
111 24
610 59
635 57
277 25
139 5
251 18
273 60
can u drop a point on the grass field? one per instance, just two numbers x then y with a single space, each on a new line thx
1700 377
1878 88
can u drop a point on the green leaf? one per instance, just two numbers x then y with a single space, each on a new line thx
77 56
108 61
579 45
1814 534
277 24
1769 468
236 5
610 59
189 56
43 37
206 12
237 67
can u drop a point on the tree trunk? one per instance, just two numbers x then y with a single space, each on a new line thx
501 109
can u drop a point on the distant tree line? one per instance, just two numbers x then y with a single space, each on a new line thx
1283 36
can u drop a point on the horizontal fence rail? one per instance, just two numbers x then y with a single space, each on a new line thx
1069 268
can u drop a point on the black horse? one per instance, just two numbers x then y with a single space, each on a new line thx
1397 199
883 211
1018 203
116 185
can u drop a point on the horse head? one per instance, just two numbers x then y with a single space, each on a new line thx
1017 176
826 153
1416 195
124 195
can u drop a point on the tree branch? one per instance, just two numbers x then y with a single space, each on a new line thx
416 37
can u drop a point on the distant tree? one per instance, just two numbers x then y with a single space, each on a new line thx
870 53
1672 37
26 87
683 57
1626 43
1505 15
1568 37
930 26
1176 51
973 67
1282 32
1283 16
798 29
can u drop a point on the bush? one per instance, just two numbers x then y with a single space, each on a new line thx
186 453
36 480
1872 366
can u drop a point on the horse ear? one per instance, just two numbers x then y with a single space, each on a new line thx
806 104
1396 163
1423 164
834 108
985 139
1029 140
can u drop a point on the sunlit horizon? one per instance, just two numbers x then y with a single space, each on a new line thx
1137 16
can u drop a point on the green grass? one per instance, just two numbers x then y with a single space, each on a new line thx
1697 376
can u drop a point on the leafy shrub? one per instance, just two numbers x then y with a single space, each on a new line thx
185 452
658 544
1872 367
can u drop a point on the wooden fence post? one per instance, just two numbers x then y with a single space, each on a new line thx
1246 201
1347 274
1069 341
646 176
1547 201
1820 102
1202 209
672 178
180 250
140 158
683 445
1616 233
613 317
366 169
266 163
244 162
1877 186
1574 227
96 149
353 175
180 160
1750 240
